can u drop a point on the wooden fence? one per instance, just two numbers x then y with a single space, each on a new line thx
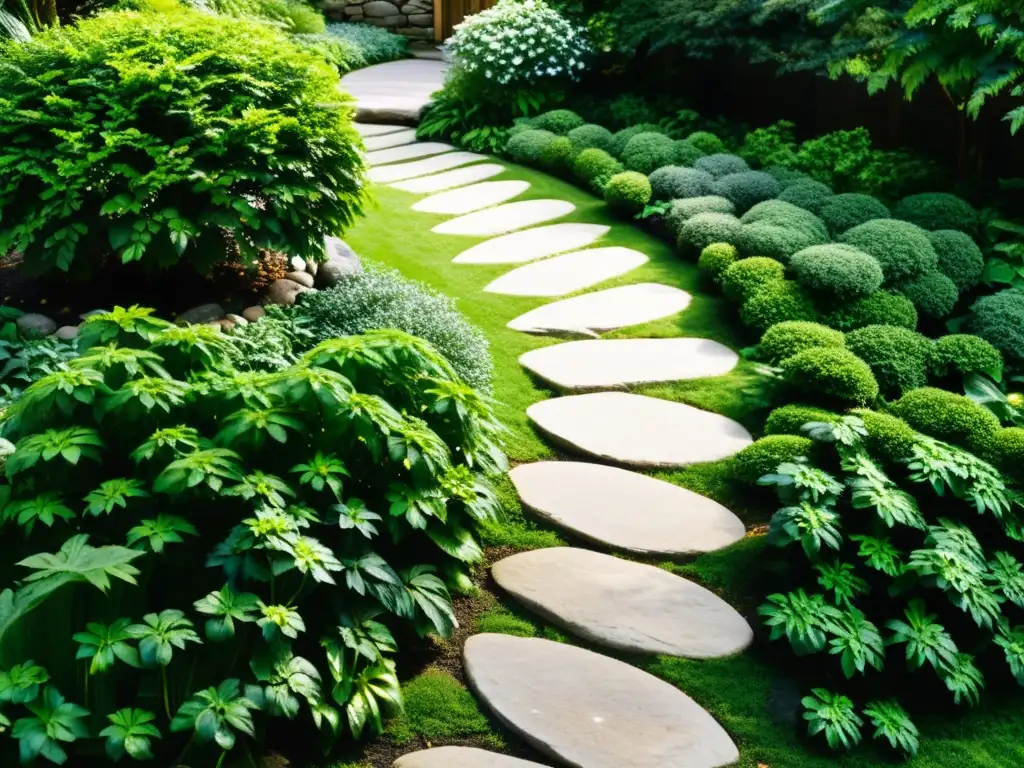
448 13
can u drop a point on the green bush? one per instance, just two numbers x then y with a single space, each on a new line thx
897 357
275 342
901 248
595 167
716 259
947 416
558 156
791 419
622 138
703 229
960 258
143 150
558 121
1006 451
437 707
741 279
787 338
294 17
889 438
763 456
786 177
686 154
836 272
674 182
773 145
777 302
590 136
647 152
879 308
999 320
937 210
830 375
683 210
374 44
747 189
933 294
778 230
808 194
628 192
961 354
782 214
846 211
707 142
528 147
720 165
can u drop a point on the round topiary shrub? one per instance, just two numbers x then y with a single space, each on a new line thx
627 193
674 182
590 136
1006 452
522 124
683 210
836 272
557 157
782 214
807 193
720 165
999 320
889 438
830 375
960 258
933 294
777 302
647 152
621 138
741 279
787 338
787 177
707 142
776 242
686 154
747 189
947 416
897 357
960 354
703 229
937 210
527 147
901 248
790 419
594 167
763 456
845 211
879 308
717 258
559 121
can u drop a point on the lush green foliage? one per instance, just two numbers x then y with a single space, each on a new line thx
836 273
960 355
880 308
747 188
791 419
843 212
947 416
897 356
937 210
999 319
829 375
295 17
809 194
628 192
786 339
528 147
590 136
764 456
706 142
933 294
777 229
647 152
672 182
743 278
683 210
372 45
702 229
901 248
716 259
960 258
595 167
719 165
776 302
559 121
437 707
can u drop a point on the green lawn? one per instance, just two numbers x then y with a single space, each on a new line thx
736 690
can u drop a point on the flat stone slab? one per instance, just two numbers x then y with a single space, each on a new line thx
394 92
636 430
568 273
605 310
625 511
506 218
533 244
583 366
407 152
460 757
475 197
388 140
628 606
424 167
590 711
366 129
450 179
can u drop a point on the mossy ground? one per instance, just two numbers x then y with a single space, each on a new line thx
737 690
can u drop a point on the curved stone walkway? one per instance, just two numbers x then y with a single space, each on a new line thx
578 707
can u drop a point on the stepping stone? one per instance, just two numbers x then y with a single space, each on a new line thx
584 709
450 179
460 757
365 129
408 152
568 273
403 171
637 430
396 139
605 310
472 198
625 511
627 606
616 363
532 244
506 218
394 92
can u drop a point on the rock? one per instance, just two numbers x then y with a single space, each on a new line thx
389 140
455 202
252 314
387 21
67 332
302 278
584 709
312 267
419 33
224 324
285 292
341 261
460 757
421 19
450 179
298 264
623 605
506 218
204 313
533 244
354 11
33 325
364 129
398 91
424 167
625 511
408 152
605 310
567 273
237 319
380 8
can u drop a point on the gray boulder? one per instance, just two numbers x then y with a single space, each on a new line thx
302 278
35 326
341 261
285 292
204 313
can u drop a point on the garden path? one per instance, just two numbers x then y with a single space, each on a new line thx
577 706
395 92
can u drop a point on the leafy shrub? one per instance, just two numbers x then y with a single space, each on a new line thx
470 122
595 167
437 707
808 194
295 17
933 294
947 416
747 189
674 182
960 259
374 44
836 272
683 210
937 210
879 308
558 121
529 146
897 357
1006 451
777 302
703 229
275 342
846 211
830 375
744 277
382 298
901 248
791 419
621 138
778 230
787 338
647 152
764 456
707 142
558 156
773 145
716 259
628 192
590 136
686 154
889 438
720 165
782 214
786 177
960 355
136 179
999 320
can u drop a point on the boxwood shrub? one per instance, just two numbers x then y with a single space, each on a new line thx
558 156
647 152
889 438
559 121
1006 452
902 249
960 258
763 456
776 302
706 142
960 354
836 272
747 189
807 193
627 193
790 419
933 294
716 259
999 319
674 182
880 308
948 416
719 165
830 375
594 167
845 211
937 210
703 229
686 154
741 279
785 339
621 138
683 210
897 357
590 136
529 146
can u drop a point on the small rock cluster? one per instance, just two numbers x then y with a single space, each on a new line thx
411 18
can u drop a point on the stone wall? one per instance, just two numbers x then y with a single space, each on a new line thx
411 18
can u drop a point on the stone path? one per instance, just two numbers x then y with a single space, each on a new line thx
460 757
386 140
403 171
395 92
568 273
532 244
506 218
407 152
472 198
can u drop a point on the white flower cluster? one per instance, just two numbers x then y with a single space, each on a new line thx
518 42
